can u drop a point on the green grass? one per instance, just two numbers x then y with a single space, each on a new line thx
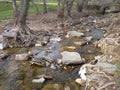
6 11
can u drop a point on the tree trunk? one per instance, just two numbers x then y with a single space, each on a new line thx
69 4
35 6
79 5
85 4
61 8
15 11
44 6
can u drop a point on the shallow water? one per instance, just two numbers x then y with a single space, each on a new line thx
18 75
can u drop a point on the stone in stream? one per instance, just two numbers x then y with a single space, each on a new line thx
80 43
21 57
40 80
3 55
3 46
44 57
89 38
55 39
9 34
71 58
1 38
74 34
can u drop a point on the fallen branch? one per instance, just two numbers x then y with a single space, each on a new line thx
106 85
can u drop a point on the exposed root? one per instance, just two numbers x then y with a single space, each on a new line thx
106 85
25 37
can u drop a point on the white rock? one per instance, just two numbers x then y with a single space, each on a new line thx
55 39
74 34
80 43
82 73
40 80
71 58
89 38
3 46
38 44
21 57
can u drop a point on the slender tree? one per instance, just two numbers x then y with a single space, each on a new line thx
15 12
44 6
69 4
61 8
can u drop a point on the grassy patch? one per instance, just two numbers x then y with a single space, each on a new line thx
6 11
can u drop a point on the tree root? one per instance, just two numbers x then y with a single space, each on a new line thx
25 37
106 85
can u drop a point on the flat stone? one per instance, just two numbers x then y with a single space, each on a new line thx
71 58
80 43
74 34
40 80
22 57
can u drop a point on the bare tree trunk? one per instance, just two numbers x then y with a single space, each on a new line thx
61 8
69 4
15 11
85 4
44 6
79 5
35 6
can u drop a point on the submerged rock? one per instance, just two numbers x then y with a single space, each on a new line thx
21 57
74 34
71 58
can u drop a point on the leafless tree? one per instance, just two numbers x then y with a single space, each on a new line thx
44 6
69 4
61 8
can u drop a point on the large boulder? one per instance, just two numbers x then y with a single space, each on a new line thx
71 58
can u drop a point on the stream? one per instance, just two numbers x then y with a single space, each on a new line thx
18 75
